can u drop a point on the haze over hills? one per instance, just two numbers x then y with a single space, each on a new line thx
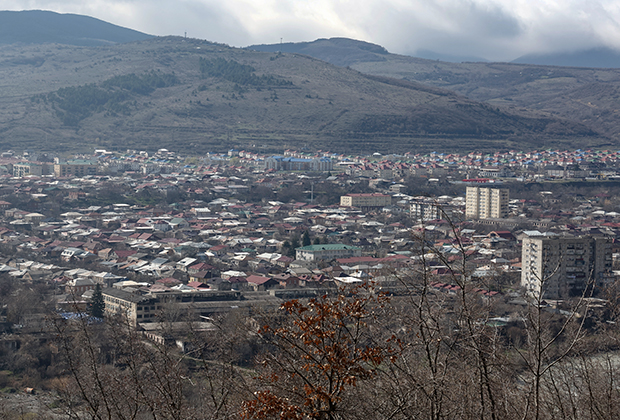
39 26
597 57
187 94
432 55
354 51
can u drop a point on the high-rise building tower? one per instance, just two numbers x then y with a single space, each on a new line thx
486 203
563 267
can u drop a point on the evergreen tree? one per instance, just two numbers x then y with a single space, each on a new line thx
294 245
97 305
295 242
305 239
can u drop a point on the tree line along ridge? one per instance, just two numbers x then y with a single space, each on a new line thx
241 74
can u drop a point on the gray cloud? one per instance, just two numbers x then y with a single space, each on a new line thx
494 29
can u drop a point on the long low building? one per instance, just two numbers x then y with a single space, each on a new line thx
365 200
140 307
326 252
75 167
281 163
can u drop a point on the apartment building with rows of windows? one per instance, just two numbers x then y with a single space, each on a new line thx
564 266
366 200
75 168
486 203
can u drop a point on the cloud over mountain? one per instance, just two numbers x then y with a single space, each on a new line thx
493 29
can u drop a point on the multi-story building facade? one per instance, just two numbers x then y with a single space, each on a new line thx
366 201
425 210
140 308
75 168
486 203
563 267
22 169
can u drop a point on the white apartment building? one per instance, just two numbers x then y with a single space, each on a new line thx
367 200
486 203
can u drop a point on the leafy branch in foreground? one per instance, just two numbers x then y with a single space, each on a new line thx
322 349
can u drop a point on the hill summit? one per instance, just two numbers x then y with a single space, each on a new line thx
338 51
44 27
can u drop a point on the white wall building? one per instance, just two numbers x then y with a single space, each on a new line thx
486 203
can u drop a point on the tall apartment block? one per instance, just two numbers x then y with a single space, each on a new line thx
486 203
563 267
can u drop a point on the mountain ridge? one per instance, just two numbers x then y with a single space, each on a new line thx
581 95
43 27
312 103
188 94
329 49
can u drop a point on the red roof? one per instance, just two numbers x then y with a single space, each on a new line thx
201 266
257 279
198 285
122 254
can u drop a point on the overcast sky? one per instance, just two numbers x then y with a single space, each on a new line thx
491 29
